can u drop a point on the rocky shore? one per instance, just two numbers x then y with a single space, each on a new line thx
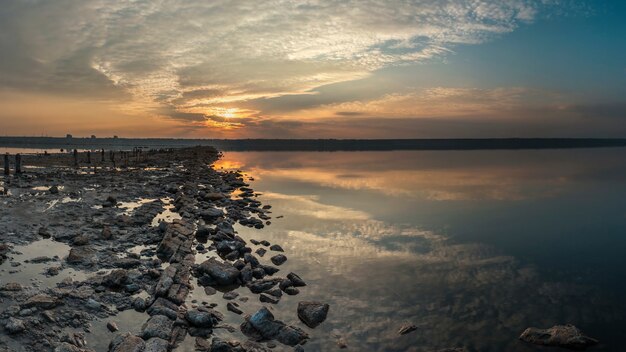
139 231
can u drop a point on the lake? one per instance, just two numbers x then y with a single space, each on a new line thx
470 246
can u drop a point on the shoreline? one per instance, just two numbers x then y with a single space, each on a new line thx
313 144
142 232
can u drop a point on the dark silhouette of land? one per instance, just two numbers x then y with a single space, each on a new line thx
51 143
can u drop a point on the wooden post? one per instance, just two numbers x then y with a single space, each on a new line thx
113 158
6 164
102 154
88 157
18 164
75 157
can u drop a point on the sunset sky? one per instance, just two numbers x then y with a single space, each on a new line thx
313 69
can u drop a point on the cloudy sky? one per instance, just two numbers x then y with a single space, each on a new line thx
316 68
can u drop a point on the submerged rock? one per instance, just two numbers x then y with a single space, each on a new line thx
312 313
567 336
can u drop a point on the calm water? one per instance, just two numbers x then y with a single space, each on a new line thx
470 246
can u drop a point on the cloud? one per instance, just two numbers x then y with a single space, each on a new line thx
185 58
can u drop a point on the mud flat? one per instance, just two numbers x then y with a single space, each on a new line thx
122 252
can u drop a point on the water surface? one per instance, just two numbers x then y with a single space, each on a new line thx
470 246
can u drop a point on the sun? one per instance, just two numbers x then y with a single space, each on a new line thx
229 113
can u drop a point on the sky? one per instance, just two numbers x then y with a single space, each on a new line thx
313 69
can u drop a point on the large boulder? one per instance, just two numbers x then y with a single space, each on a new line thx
567 336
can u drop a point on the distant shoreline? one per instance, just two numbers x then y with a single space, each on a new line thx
313 144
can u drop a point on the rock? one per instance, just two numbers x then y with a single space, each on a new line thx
296 280
211 214
276 248
251 259
275 291
43 232
265 298
262 323
264 243
230 295
67 347
203 319
75 338
112 326
93 304
278 259
53 190
261 252
407 328
41 259
270 270
567 336
80 255
291 291
106 233
53 270
162 306
156 344
258 286
157 326
14 326
231 306
312 313
258 273
219 345
127 263
41 301
80 240
222 273
116 279
209 291
12 287
127 343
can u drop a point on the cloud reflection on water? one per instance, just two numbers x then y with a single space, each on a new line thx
378 274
